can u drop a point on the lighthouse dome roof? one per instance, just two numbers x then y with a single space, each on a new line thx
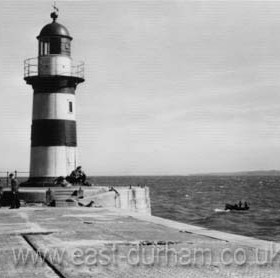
54 29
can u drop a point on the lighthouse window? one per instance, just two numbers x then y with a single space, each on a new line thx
44 48
41 48
70 106
65 46
55 46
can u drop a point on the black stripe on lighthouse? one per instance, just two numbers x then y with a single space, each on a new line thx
40 90
53 133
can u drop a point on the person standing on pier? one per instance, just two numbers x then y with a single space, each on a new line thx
1 193
14 192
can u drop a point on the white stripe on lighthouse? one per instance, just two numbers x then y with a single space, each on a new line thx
55 65
50 161
53 106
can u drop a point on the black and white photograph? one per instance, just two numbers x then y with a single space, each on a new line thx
139 138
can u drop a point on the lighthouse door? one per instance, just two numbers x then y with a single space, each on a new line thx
71 159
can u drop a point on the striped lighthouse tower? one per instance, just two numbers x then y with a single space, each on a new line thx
54 78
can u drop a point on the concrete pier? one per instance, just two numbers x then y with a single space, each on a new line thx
135 199
109 242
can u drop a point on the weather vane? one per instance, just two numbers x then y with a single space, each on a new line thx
54 14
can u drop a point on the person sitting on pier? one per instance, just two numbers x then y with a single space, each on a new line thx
77 176
61 181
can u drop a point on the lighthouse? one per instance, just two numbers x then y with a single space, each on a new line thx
54 78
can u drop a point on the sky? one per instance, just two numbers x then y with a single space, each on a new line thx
172 87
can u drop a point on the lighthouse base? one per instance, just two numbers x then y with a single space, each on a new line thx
39 182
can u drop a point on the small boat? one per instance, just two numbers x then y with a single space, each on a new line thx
236 207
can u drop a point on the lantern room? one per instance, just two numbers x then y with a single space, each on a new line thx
54 38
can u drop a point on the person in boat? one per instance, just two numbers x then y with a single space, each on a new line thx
246 205
240 204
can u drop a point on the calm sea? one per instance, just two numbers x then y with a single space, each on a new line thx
194 199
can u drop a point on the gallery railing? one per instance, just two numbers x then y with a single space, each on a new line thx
31 69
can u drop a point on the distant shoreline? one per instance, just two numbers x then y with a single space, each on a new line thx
269 173
241 173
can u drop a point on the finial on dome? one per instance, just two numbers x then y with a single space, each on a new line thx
54 14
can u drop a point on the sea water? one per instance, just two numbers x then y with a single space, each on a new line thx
200 200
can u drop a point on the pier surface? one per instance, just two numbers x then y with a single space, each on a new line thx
98 242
